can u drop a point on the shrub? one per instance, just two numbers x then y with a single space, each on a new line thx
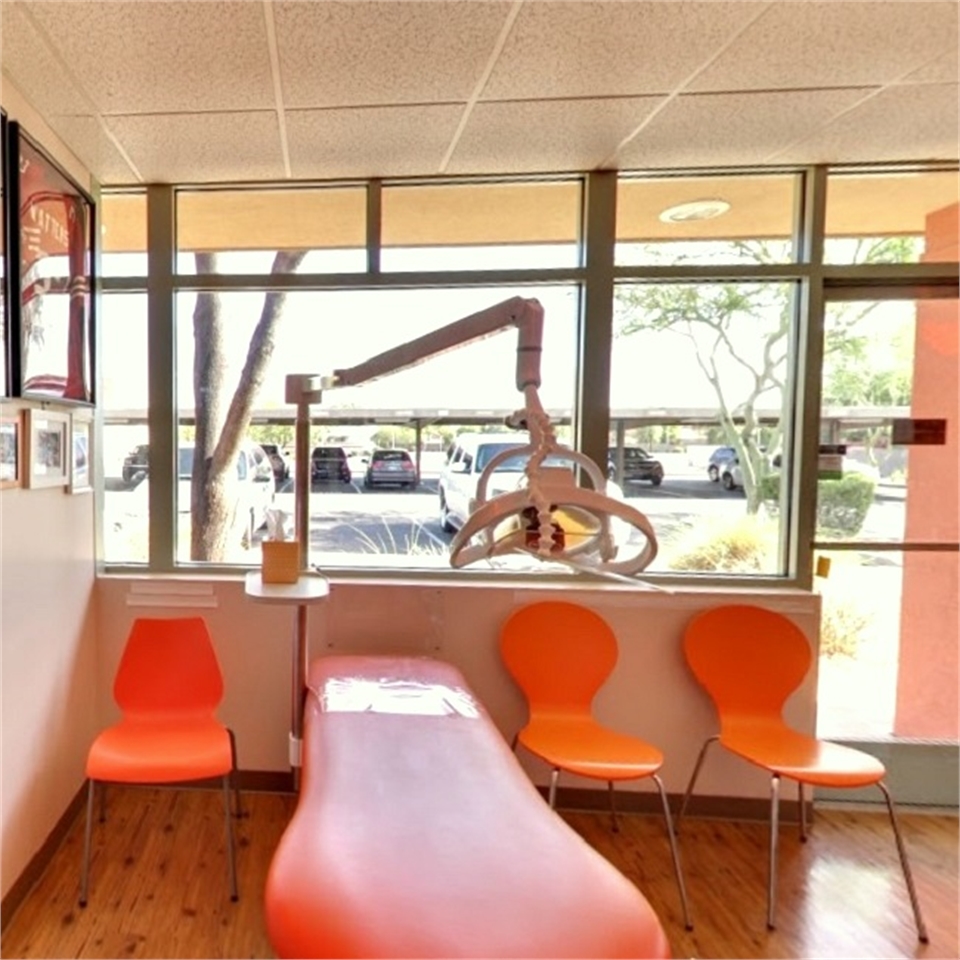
842 625
742 546
842 504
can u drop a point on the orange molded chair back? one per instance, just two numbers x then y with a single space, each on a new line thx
559 653
168 665
749 660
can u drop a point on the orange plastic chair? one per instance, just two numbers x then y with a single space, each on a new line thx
168 686
750 660
560 654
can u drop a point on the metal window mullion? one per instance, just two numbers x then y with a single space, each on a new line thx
374 225
808 372
161 376
592 411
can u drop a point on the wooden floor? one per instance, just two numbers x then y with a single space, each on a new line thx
159 883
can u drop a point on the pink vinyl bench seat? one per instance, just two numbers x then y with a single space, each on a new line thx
418 834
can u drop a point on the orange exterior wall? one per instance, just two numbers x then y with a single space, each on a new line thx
929 623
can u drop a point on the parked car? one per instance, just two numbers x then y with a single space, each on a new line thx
717 460
391 467
329 463
637 465
279 460
136 464
731 476
256 485
467 459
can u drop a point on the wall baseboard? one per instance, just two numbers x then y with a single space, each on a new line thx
41 859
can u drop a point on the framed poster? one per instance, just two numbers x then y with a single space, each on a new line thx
81 436
47 453
4 267
51 243
11 449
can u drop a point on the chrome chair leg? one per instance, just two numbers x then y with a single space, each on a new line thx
803 813
694 775
552 798
233 773
905 865
85 869
231 852
674 852
774 833
615 826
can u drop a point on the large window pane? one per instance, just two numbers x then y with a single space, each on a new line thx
706 220
123 353
481 226
468 388
890 401
245 228
700 382
892 217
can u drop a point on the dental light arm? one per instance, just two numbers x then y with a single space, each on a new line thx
558 519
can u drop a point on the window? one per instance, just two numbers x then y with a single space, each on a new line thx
676 350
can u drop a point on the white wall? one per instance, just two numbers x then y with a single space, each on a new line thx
651 692
47 632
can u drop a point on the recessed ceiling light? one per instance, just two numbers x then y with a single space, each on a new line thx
695 210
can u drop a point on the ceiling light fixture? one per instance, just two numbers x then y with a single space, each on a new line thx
695 210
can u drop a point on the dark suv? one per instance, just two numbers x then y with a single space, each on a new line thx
637 465
329 463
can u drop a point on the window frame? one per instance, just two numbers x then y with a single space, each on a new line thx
595 276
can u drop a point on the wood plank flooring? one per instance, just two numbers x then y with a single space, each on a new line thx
158 883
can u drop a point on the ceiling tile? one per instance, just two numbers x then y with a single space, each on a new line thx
202 147
33 68
916 122
730 129
168 57
370 141
376 53
545 137
831 44
595 49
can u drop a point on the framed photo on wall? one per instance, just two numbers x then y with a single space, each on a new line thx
51 306
4 266
47 448
11 449
81 437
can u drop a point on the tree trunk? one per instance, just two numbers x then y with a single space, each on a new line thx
219 518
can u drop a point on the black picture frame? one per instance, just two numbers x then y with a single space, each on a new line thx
5 268
51 229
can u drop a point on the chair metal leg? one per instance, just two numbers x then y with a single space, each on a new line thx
694 775
85 868
803 813
233 773
552 798
231 853
905 865
674 852
615 826
774 835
